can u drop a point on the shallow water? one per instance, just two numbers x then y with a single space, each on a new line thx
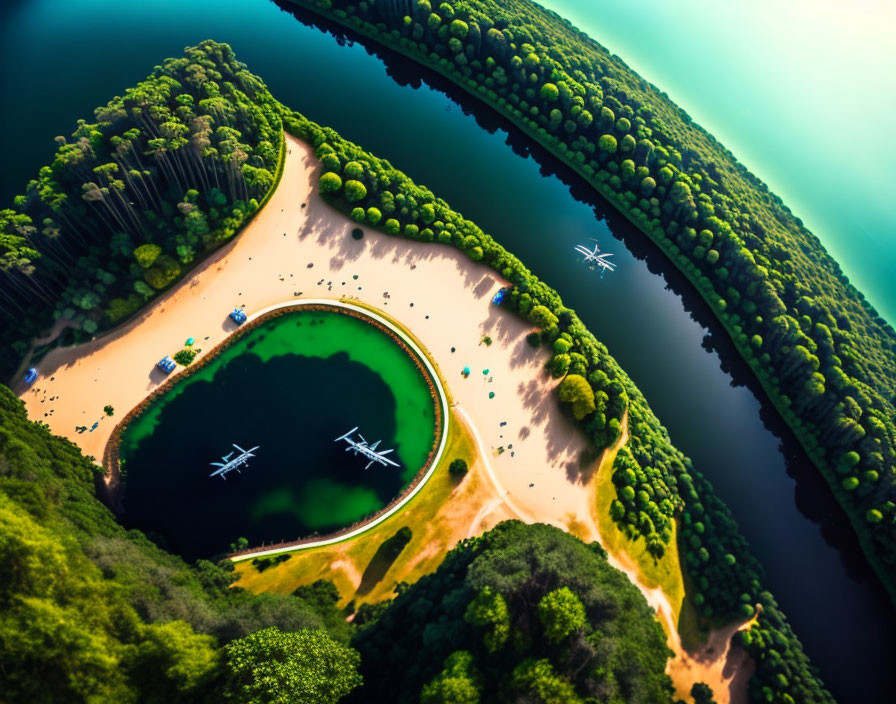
71 55
290 386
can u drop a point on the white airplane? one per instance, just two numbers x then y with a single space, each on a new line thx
594 258
366 449
226 464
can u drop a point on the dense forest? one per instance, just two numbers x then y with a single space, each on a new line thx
90 612
94 613
819 349
47 489
519 608
131 201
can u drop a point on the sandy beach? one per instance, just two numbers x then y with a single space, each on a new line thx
299 247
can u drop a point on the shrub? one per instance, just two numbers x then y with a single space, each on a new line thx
330 182
458 468
185 357
146 254
355 191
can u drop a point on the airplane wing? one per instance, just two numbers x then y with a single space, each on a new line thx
216 464
227 457
582 249
347 435
239 448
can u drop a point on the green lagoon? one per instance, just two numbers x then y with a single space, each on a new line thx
292 385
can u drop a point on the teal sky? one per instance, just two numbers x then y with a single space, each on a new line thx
801 91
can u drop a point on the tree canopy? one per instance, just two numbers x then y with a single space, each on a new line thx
525 612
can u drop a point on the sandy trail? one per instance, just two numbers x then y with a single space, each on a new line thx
299 247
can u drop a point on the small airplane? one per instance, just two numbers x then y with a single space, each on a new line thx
227 465
595 258
366 449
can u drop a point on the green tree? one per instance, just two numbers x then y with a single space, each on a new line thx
577 392
702 694
355 191
146 254
353 170
559 365
536 680
305 667
607 144
458 468
330 182
489 609
172 662
561 613
455 684
549 92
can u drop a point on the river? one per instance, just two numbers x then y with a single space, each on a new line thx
67 56
785 86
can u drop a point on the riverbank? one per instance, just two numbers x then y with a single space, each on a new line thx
296 247
820 444
299 247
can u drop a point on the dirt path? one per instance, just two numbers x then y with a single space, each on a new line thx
725 668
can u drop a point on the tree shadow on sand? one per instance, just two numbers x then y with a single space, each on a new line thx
382 560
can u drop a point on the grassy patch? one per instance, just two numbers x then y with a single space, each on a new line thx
665 573
437 519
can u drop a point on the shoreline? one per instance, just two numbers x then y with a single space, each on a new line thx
300 248
535 452
111 461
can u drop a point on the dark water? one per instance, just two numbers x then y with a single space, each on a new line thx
290 387
70 56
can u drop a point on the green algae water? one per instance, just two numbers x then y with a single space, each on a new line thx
291 386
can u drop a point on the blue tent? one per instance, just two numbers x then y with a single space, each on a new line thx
166 364
498 298
31 376
238 316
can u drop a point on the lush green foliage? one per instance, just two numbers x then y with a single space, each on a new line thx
166 173
185 356
820 350
49 483
514 614
655 481
305 667
91 612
